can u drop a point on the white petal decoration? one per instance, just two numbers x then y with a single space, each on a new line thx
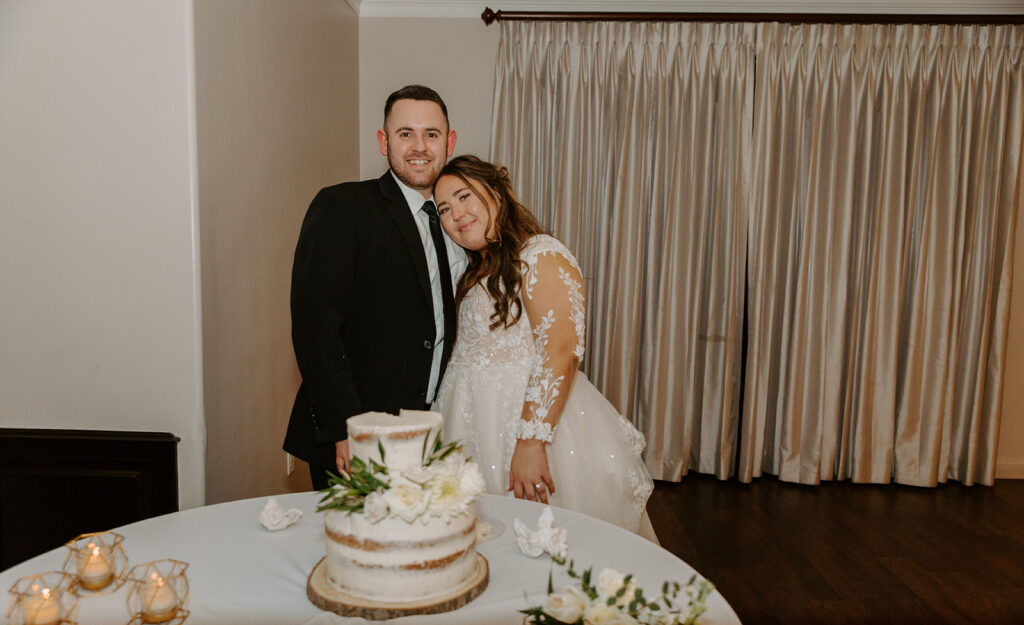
274 517
546 537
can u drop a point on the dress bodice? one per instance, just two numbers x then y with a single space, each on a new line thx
476 345
558 313
501 383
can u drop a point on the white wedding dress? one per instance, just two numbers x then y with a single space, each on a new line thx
594 452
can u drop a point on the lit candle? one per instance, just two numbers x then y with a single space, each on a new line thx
159 601
94 570
42 607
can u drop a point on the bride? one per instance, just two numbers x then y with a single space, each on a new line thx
512 393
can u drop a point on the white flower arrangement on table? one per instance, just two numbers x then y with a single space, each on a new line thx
443 485
615 599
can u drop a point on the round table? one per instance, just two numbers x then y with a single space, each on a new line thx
240 572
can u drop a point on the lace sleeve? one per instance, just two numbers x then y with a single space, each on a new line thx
554 302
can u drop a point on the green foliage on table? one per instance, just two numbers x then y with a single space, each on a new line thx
668 609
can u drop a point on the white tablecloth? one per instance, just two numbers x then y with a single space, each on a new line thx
241 573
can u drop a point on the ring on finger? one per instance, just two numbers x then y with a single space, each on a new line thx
538 486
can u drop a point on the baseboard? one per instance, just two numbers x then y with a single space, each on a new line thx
1010 470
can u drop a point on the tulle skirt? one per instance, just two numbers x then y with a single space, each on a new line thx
594 459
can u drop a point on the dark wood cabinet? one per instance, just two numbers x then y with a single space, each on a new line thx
57 484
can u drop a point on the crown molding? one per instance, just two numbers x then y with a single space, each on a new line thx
473 8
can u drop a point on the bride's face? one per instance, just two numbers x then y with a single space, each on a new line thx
467 212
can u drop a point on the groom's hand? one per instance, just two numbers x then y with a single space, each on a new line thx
341 455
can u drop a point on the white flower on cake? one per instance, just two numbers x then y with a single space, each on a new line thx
406 499
472 480
446 496
566 606
375 507
417 474
443 485
453 484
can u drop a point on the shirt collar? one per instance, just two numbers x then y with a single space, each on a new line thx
412 197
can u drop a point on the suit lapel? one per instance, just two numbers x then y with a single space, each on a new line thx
398 209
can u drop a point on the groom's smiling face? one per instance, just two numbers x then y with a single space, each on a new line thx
417 142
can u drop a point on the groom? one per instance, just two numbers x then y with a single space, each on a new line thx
373 317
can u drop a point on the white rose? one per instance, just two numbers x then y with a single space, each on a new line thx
375 507
609 581
406 499
600 613
566 606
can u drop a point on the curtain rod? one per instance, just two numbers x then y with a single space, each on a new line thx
489 17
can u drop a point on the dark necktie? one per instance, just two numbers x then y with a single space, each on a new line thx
444 275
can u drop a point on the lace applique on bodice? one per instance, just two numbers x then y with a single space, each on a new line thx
521 352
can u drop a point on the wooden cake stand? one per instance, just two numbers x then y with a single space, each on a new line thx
326 597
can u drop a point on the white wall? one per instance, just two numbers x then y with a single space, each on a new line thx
99 294
277 117
455 57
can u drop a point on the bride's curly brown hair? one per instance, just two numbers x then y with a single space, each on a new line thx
496 266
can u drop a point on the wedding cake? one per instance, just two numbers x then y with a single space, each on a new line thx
401 526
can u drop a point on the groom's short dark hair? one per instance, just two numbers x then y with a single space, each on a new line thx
414 92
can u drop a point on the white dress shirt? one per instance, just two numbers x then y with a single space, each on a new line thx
457 261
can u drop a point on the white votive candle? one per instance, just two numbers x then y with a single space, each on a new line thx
94 571
41 608
159 601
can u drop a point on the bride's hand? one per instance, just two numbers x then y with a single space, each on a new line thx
529 476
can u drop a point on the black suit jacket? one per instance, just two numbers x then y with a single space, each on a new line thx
362 314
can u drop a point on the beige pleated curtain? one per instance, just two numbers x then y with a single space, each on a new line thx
797 239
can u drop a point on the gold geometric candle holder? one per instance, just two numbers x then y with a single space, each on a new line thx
158 592
43 599
97 562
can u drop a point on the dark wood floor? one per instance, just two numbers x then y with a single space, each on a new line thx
848 553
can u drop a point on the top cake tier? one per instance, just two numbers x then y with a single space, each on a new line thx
403 437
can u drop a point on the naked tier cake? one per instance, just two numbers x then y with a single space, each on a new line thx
401 527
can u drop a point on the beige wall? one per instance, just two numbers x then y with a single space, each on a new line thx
99 298
277 118
455 57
